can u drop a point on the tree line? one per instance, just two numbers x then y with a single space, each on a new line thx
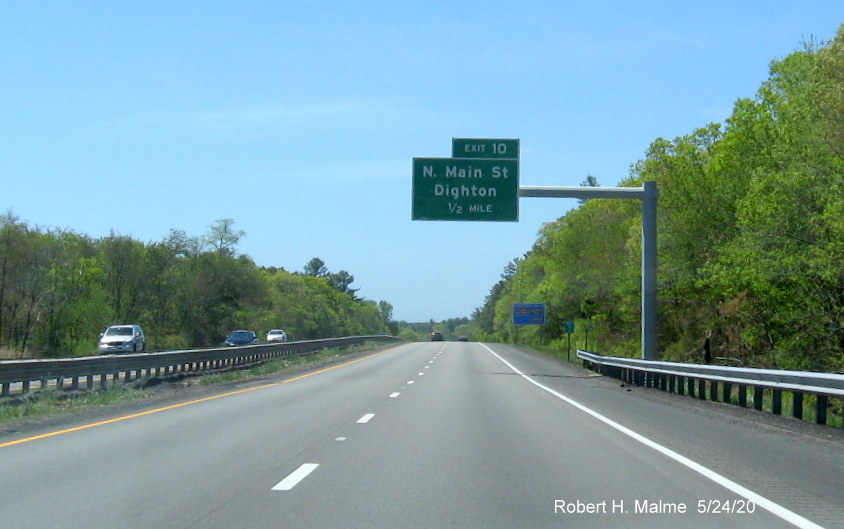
451 329
751 238
60 289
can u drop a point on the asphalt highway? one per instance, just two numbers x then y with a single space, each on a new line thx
428 435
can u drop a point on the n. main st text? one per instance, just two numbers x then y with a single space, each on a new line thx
453 171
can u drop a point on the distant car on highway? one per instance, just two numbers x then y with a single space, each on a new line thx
437 336
122 339
463 339
276 335
241 337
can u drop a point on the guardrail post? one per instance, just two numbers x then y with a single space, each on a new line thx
713 390
701 389
776 402
797 405
820 409
728 393
757 398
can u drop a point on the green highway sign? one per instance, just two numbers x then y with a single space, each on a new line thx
465 189
484 148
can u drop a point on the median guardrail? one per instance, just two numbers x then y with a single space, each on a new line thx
68 372
763 388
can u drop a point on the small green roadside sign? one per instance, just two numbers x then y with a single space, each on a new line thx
484 148
472 189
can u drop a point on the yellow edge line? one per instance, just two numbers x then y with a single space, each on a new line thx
183 404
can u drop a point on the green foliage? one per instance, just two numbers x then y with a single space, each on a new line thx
451 329
751 237
59 290
316 267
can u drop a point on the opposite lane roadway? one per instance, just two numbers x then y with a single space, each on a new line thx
441 434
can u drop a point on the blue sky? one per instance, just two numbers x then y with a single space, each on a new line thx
299 120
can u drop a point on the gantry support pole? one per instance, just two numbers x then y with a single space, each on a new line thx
649 195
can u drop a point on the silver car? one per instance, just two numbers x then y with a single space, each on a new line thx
276 335
122 339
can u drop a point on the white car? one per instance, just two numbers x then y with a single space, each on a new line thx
276 335
122 339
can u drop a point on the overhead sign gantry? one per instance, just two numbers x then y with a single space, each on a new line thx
481 182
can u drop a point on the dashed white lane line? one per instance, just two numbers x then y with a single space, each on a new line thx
366 418
420 373
340 439
295 477
409 382
394 394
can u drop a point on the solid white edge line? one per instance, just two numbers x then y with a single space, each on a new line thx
774 508
295 477
366 418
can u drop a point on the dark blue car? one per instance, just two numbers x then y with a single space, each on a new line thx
241 338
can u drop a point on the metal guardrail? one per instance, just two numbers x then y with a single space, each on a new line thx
726 384
125 367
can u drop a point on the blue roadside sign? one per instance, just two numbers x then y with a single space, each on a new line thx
528 314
